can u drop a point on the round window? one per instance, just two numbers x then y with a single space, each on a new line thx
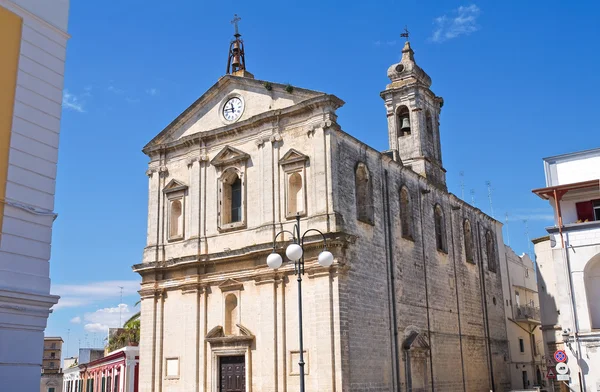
399 67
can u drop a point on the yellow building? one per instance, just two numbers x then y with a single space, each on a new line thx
33 43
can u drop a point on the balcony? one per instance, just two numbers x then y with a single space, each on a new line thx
528 314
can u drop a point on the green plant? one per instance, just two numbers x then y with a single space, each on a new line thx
268 86
289 88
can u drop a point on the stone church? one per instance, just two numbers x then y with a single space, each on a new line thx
413 300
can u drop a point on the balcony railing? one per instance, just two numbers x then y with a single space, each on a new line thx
527 313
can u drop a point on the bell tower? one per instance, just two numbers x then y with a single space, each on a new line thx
413 113
236 62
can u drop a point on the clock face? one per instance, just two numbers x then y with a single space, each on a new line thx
233 109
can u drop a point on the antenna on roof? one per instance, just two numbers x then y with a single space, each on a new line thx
462 184
473 197
489 187
507 233
120 302
527 236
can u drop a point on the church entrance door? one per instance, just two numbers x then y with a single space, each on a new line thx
232 374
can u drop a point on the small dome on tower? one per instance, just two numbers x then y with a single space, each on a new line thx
407 71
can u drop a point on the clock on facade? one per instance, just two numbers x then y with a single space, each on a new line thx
233 108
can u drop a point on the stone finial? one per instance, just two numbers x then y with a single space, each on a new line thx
407 53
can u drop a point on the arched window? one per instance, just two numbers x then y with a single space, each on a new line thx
403 118
468 241
592 284
364 193
428 123
440 228
231 314
295 199
231 208
176 220
406 218
490 250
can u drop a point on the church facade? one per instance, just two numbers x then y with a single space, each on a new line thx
413 300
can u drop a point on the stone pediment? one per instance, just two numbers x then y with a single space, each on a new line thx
231 285
205 114
217 336
292 156
174 186
229 155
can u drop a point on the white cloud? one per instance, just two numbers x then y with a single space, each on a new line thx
115 90
102 319
132 100
76 320
75 295
531 217
388 43
96 327
152 92
72 102
463 21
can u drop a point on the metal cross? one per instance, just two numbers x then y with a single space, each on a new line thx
234 22
406 33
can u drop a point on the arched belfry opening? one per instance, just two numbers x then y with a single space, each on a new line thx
403 118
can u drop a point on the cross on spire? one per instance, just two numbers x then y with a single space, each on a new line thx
406 33
234 22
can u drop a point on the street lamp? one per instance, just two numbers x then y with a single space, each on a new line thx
295 252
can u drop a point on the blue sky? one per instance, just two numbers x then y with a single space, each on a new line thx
519 80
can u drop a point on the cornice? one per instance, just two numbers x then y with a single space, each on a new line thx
251 123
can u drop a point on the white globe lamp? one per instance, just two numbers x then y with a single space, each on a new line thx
274 261
325 258
294 252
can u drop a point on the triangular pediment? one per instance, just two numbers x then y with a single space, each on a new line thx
229 155
206 113
230 285
174 186
292 156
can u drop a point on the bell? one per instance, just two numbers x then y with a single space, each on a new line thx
236 45
405 125
236 60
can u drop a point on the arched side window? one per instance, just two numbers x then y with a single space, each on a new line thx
591 275
490 250
176 220
440 229
231 201
469 250
406 216
403 118
364 194
295 195
231 314
428 123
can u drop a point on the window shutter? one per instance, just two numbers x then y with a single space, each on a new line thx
585 210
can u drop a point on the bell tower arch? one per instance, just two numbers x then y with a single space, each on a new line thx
413 113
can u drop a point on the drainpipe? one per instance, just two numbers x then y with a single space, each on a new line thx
484 306
391 283
424 191
462 362
557 197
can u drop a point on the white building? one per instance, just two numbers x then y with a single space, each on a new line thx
33 42
527 365
569 265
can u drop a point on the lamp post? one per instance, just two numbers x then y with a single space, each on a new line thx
295 252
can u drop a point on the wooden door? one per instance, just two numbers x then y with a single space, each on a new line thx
232 374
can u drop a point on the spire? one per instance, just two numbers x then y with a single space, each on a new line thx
236 63
407 53
407 71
